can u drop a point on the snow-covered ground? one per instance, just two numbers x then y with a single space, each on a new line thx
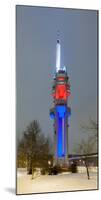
54 183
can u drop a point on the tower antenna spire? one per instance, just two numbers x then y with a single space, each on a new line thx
58 34
58 52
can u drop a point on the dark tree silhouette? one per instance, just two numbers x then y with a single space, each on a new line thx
21 154
35 147
91 129
89 145
85 148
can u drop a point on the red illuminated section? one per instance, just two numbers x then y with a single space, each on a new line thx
62 91
61 79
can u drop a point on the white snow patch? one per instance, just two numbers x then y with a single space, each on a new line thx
54 183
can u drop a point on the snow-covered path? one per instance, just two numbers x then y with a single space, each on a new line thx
62 182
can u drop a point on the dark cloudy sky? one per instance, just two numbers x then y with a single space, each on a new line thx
36 34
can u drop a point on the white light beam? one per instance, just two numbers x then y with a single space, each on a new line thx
58 55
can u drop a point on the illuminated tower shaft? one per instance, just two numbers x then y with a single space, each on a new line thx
61 130
61 111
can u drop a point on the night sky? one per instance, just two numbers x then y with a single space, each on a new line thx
36 35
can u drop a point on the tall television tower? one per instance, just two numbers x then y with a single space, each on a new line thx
60 112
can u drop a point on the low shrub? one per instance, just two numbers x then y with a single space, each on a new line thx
73 167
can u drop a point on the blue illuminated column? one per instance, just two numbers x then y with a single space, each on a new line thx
61 129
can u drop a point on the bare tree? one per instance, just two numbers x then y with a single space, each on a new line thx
21 154
86 148
89 145
91 129
36 147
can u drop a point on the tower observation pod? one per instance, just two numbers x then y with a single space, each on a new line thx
60 112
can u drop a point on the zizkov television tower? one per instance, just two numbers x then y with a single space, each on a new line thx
60 112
